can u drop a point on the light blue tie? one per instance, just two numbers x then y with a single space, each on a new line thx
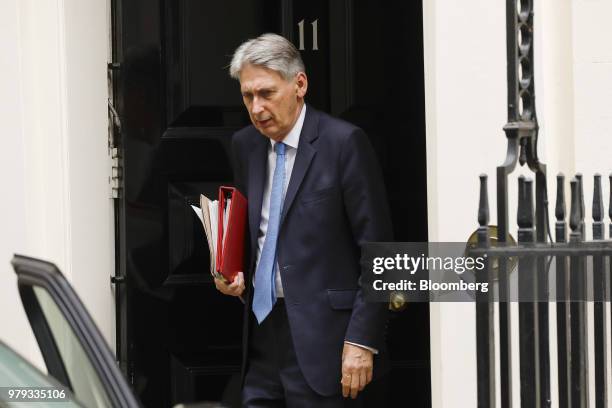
265 290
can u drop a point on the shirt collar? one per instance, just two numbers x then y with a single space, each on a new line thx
293 137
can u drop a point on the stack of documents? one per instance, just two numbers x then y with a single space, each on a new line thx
224 223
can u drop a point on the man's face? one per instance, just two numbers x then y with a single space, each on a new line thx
273 103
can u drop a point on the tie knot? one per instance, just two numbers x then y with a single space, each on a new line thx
279 148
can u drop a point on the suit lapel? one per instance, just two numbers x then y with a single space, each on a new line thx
303 158
258 158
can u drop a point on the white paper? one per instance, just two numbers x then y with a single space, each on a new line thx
208 215
213 210
198 212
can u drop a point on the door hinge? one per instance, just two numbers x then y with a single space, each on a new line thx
116 176
116 166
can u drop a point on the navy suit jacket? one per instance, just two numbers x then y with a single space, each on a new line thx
335 202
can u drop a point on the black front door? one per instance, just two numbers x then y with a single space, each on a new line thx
178 339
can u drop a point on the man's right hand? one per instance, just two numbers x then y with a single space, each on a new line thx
232 289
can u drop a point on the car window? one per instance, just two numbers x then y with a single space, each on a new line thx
86 385
16 372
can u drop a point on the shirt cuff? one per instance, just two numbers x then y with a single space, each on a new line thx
373 350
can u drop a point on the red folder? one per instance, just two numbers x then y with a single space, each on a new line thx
230 243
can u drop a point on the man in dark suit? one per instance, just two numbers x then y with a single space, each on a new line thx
315 195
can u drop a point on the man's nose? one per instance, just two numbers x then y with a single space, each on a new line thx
257 106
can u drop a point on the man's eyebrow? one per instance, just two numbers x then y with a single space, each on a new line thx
271 88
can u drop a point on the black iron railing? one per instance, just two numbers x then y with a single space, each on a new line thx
578 272
575 262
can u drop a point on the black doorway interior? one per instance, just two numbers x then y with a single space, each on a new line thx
178 340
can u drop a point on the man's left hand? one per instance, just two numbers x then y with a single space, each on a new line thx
357 365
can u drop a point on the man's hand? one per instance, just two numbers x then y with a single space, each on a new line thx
232 289
357 364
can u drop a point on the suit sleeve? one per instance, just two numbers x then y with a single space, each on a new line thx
365 202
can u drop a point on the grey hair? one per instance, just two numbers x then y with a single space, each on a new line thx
271 51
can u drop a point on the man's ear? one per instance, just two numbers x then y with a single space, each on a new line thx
301 84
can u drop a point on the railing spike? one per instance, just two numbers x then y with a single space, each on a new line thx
581 193
525 215
483 206
560 204
597 209
610 204
520 211
574 219
582 212
529 201
597 198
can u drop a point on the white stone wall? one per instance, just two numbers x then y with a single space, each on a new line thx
465 112
55 167
592 62
14 329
